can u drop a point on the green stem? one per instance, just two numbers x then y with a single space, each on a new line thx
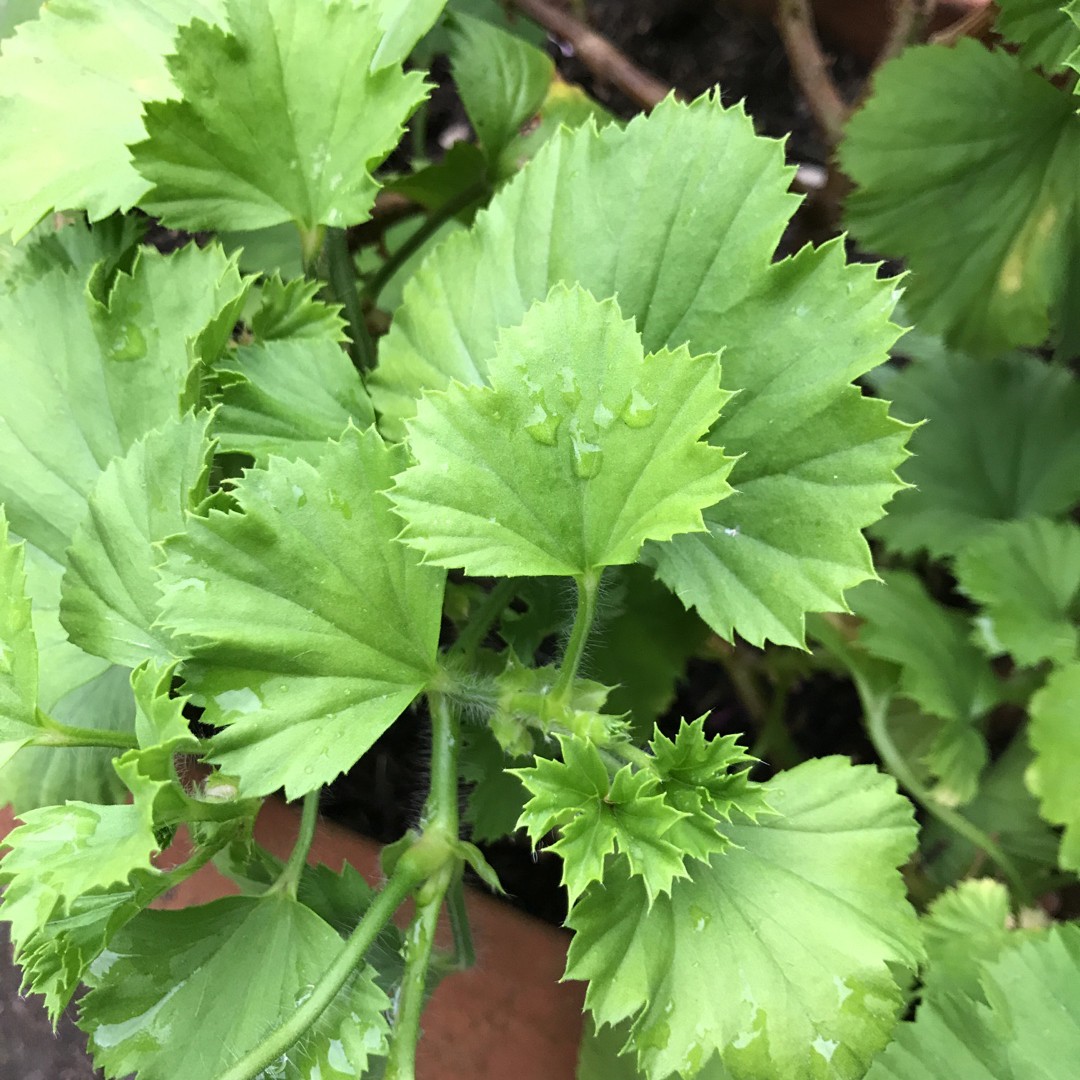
382 908
436 219
588 585
341 271
56 734
442 803
289 880
876 708
311 242
774 739
477 628
464 951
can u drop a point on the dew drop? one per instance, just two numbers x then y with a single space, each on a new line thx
129 344
588 457
602 416
299 495
571 392
638 412
542 426
700 916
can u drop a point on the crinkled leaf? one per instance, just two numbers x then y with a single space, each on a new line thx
18 652
263 135
964 929
1054 735
72 88
309 628
97 376
110 590
291 310
775 960
692 264
236 969
1031 1028
1045 34
288 398
502 80
1001 443
940 669
581 448
965 165
1026 576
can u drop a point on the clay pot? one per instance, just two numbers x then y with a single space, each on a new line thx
507 1016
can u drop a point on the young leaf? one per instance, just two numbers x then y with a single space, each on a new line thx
263 135
309 628
1055 738
97 376
110 591
581 448
776 961
1026 575
940 670
502 80
691 261
1001 442
288 398
72 87
185 993
18 652
1045 34
291 311
964 164
1031 1027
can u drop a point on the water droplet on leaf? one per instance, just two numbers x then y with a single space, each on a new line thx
638 412
542 426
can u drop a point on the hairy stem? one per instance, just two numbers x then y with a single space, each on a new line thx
876 709
451 208
382 908
342 274
588 586
56 734
289 880
311 242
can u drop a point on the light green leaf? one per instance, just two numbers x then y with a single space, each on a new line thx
1046 35
940 669
72 88
110 590
502 80
309 628
185 993
1026 575
580 449
1001 443
291 310
98 376
13 12
964 929
288 398
403 25
1054 735
774 960
263 135
964 164
18 652
1030 1029
692 263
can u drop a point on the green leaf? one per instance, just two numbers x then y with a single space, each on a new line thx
964 164
403 25
185 993
692 263
776 961
502 80
288 398
1001 443
496 797
18 652
72 87
1046 35
13 12
110 590
964 929
580 449
940 669
1031 1027
309 628
596 816
97 376
1055 737
290 310
263 135
1026 575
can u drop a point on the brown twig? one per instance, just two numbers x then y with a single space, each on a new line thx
598 54
795 22
910 20
974 24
